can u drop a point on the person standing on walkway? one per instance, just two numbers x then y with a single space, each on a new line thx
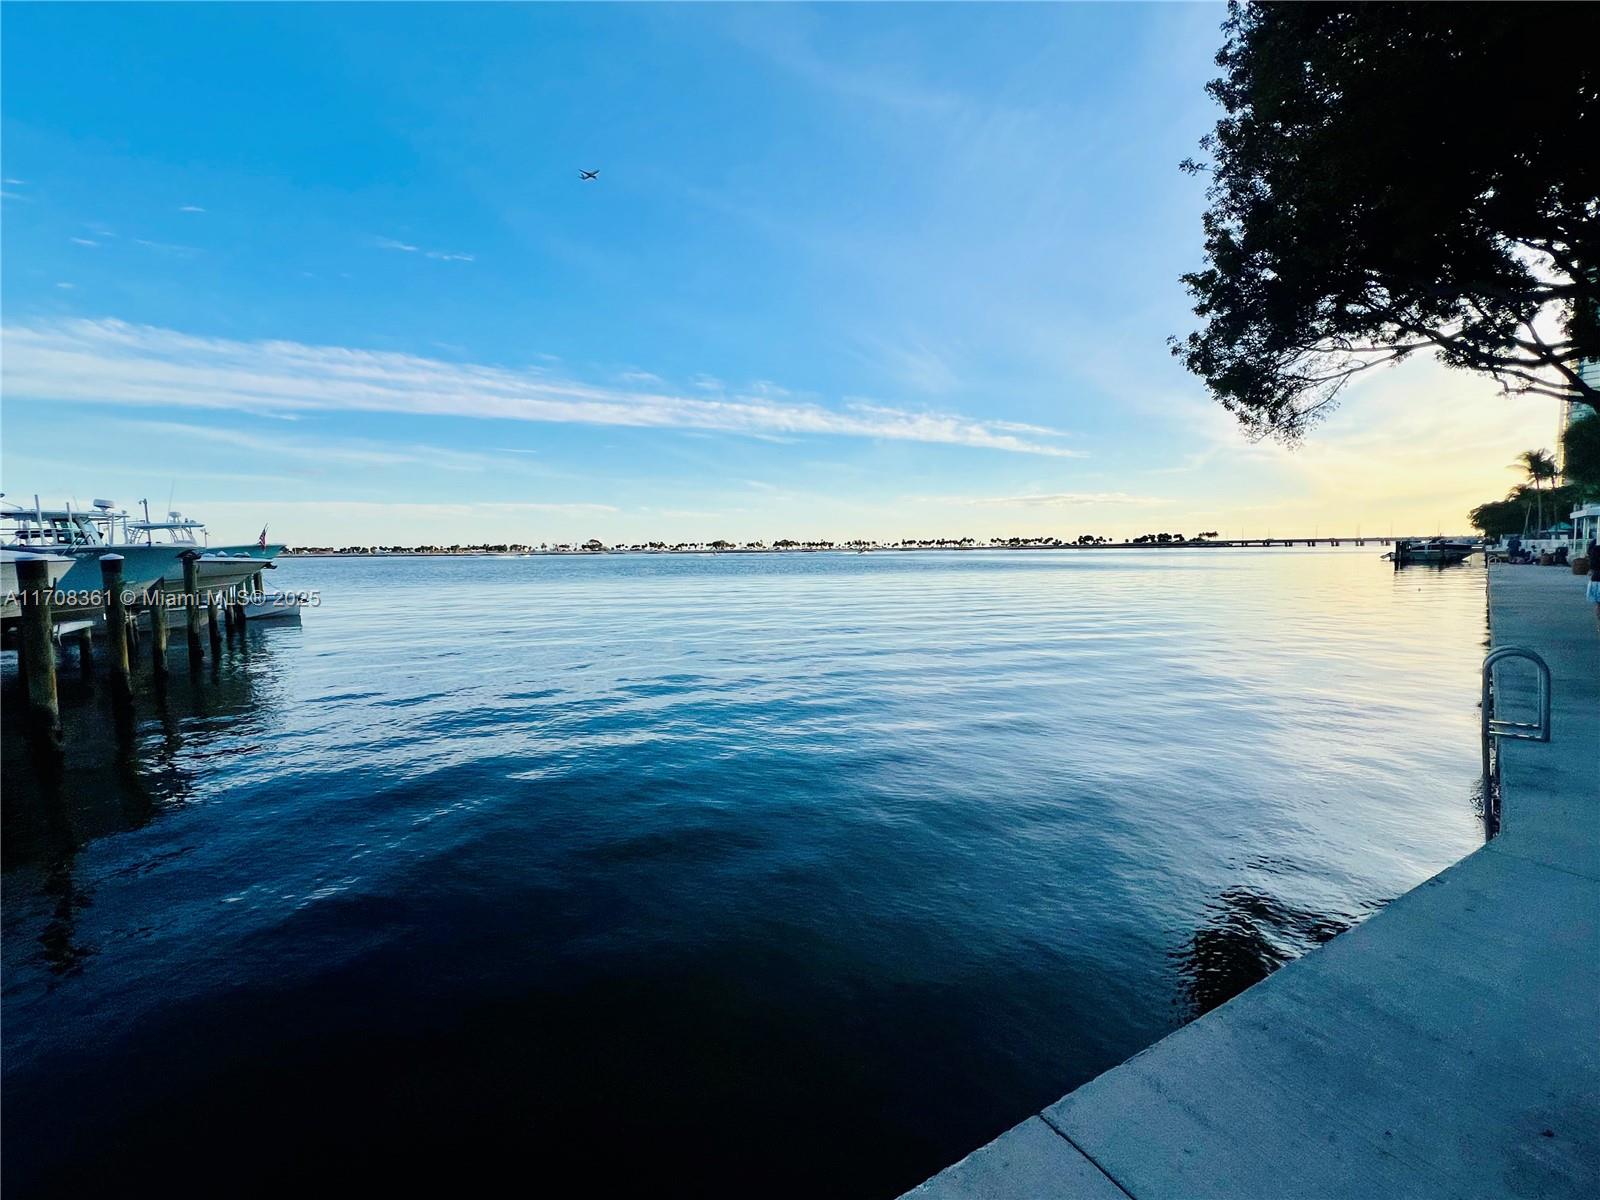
1594 580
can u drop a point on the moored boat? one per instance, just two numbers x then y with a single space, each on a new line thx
1437 550
84 538
56 565
218 567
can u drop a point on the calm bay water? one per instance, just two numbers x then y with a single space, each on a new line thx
805 874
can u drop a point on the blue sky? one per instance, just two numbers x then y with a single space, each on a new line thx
865 270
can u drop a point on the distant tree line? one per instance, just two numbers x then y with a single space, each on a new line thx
787 545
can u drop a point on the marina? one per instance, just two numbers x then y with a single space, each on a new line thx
72 576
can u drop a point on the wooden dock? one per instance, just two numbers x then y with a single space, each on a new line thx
1447 1047
41 632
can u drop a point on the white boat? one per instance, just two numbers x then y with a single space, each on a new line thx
270 605
56 565
84 538
218 567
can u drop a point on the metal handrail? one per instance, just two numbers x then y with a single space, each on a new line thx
1493 728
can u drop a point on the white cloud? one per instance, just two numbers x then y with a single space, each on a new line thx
84 241
1064 499
113 362
396 513
348 451
191 208
385 243
168 247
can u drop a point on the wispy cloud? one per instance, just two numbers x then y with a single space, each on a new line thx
399 511
1057 500
112 362
387 243
84 241
191 208
345 452
168 247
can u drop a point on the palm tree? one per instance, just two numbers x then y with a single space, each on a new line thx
1539 465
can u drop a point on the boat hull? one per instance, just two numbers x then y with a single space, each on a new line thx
56 565
142 566
223 567
1436 556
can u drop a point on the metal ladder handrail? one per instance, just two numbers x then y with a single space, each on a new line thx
1493 727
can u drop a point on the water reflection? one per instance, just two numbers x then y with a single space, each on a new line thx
1249 932
128 760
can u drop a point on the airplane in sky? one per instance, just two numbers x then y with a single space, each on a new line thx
582 174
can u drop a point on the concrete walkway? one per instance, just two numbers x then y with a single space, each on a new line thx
1447 1047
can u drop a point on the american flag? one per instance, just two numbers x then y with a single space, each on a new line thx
262 540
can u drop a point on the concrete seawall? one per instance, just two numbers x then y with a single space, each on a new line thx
1447 1047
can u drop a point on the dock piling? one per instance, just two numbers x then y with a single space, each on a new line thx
158 634
36 649
85 642
213 630
116 622
191 604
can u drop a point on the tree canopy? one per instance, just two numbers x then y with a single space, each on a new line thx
1518 512
1580 446
1388 178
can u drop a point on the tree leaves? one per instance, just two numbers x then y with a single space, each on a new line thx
1390 178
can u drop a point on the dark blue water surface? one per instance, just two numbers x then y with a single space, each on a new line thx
798 874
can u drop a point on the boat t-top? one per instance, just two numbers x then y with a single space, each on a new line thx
219 567
151 550
84 538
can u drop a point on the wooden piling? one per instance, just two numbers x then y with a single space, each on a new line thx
191 604
212 628
85 642
36 650
158 632
116 622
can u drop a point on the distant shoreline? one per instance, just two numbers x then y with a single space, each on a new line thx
625 551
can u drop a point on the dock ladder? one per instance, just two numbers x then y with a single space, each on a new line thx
1495 728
